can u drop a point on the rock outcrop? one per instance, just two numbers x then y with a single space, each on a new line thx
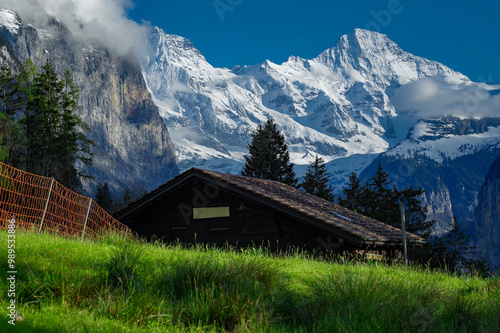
486 233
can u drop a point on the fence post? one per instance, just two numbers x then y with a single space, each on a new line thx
86 219
403 227
46 206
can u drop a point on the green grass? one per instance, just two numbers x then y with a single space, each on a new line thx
114 285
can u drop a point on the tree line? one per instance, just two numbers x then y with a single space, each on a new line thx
378 198
40 131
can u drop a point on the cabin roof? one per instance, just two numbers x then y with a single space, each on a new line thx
289 200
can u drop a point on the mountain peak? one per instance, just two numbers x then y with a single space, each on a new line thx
361 41
363 33
172 47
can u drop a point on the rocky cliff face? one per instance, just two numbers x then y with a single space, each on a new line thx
486 233
7 56
133 147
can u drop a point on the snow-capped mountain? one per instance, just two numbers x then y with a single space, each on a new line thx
336 105
355 101
449 138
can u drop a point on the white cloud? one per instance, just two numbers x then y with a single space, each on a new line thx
434 97
102 20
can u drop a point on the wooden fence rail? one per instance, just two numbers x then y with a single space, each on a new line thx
41 203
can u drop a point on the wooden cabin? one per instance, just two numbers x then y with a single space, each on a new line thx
201 206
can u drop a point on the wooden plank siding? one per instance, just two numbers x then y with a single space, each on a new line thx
170 219
261 212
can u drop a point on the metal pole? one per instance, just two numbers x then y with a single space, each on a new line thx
403 227
46 206
86 219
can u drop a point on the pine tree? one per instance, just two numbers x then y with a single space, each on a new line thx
72 143
53 131
42 120
352 198
457 245
268 156
11 136
316 180
11 141
103 197
129 195
415 213
453 252
8 91
379 199
4 151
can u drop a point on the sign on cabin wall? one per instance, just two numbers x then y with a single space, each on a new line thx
210 212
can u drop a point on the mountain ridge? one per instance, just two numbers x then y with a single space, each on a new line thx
361 98
304 96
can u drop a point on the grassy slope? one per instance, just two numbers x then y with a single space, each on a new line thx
116 286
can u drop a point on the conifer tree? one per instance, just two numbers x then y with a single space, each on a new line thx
11 136
8 91
415 213
72 143
103 196
268 156
458 251
4 151
453 252
42 120
316 180
53 130
352 193
129 195
379 199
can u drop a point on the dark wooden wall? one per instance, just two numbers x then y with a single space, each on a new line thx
250 222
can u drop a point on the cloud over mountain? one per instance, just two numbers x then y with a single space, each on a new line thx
435 97
102 20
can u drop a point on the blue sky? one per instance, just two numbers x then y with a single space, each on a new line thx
463 35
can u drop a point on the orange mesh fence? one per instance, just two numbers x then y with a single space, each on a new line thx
41 203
